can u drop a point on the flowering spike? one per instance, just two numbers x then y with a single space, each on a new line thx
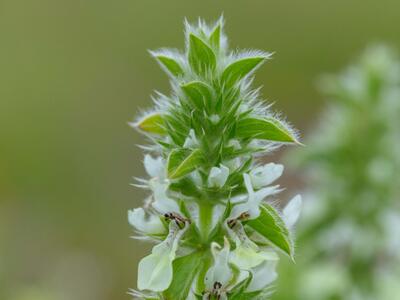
206 184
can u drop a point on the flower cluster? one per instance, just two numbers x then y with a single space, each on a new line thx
350 236
210 212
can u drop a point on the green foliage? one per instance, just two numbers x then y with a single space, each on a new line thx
198 93
241 68
351 235
201 57
185 271
182 161
170 64
266 129
152 123
271 226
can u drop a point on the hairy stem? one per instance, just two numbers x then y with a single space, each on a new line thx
205 217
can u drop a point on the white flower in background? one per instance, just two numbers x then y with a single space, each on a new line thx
150 224
292 210
218 176
254 199
391 225
321 280
265 175
352 163
155 270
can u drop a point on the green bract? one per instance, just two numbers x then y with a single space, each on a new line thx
217 232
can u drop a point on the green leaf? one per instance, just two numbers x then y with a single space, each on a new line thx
264 129
271 226
215 37
241 68
198 297
152 123
186 186
237 292
201 56
199 94
185 270
256 295
182 161
170 64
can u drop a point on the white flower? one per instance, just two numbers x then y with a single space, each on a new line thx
235 144
218 176
162 203
247 254
220 272
150 224
214 119
391 224
155 270
265 175
291 212
254 199
263 275
191 140
196 177
155 167
233 164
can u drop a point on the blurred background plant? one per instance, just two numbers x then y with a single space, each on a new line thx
72 72
350 231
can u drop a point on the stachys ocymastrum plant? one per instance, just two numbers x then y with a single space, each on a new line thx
212 209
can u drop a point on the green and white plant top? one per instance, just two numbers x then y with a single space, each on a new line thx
211 211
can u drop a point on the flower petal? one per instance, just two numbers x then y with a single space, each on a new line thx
263 275
191 140
155 270
291 212
162 203
218 176
265 175
155 167
246 254
150 224
220 271
254 199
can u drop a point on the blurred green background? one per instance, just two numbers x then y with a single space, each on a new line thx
73 73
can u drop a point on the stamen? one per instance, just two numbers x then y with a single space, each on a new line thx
178 219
